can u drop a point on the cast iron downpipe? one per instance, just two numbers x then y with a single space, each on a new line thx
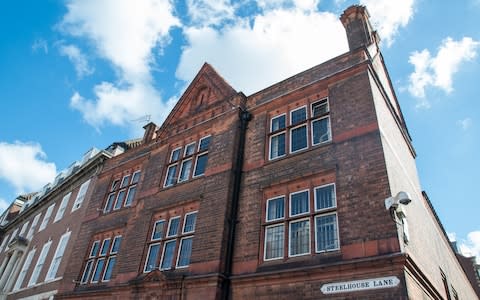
245 117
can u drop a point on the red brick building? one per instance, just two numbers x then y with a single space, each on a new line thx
305 190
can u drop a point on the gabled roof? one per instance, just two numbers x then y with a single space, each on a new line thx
206 88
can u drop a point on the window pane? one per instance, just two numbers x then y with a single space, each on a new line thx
173 227
274 242
277 145
204 143
131 194
94 250
299 115
136 177
110 201
125 181
168 253
87 271
275 209
201 165
185 170
299 203
320 130
151 262
116 244
114 185
185 252
278 123
172 170
300 237
98 270
190 149
326 232
158 230
299 138
175 155
109 268
120 197
190 221
319 108
325 197
105 247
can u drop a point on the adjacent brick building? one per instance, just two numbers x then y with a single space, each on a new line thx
305 190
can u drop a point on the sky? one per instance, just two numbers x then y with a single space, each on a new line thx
86 73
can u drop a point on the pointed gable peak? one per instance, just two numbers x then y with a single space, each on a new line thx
206 88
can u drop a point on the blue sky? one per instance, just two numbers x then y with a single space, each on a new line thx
77 74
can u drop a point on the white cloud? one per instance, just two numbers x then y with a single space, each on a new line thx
126 34
120 106
209 12
465 124
40 44
471 246
305 5
437 71
388 16
24 166
78 59
278 44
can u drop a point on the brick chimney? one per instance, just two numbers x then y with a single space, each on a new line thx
150 132
359 31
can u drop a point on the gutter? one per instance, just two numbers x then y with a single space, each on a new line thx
244 117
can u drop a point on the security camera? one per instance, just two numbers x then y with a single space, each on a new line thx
401 198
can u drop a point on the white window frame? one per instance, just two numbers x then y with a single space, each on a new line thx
181 169
103 244
178 252
46 217
25 267
186 147
315 197
133 176
185 220
93 247
92 261
24 228
196 161
31 231
328 129
40 263
124 190
290 203
318 101
62 207
166 175
267 206
82 193
270 145
305 124
200 142
265 242
296 109
148 255
101 271
337 232
105 267
276 117
163 253
309 236
168 229
153 231
62 245
179 156
115 238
